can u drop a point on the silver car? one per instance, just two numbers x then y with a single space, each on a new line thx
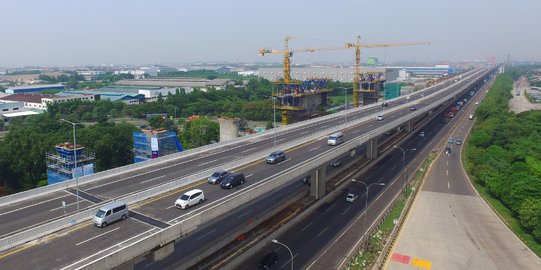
276 157
110 213
217 177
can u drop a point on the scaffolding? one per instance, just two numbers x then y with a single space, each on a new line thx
153 143
300 100
62 165
371 87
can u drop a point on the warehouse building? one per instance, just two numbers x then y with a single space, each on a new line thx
34 88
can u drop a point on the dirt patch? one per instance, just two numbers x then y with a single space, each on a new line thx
520 103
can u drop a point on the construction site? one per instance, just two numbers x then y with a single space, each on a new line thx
303 99
68 162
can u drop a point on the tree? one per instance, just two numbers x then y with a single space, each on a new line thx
200 131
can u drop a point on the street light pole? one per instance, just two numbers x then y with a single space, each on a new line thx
403 160
291 253
366 198
274 118
345 105
73 175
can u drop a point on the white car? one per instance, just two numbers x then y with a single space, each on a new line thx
190 198
379 118
422 134
351 197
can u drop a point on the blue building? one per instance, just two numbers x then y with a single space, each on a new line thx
112 96
34 88
149 144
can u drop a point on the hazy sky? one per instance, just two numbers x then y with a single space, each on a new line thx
93 32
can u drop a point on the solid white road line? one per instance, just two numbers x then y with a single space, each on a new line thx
90 239
33 205
249 175
314 149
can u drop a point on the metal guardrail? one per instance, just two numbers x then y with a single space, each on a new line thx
242 197
65 222
124 169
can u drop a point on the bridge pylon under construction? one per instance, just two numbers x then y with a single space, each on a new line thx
300 100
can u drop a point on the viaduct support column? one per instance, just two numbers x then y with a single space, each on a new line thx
372 149
409 126
163 252
317 182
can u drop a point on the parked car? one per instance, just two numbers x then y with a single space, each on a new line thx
217 177
268 261
351 197
471 117
476 103
232 180
422 134
275 157
451 140
190 198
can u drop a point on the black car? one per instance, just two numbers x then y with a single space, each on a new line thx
268 261
232 180
413 108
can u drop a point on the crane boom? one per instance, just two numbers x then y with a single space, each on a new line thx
358 47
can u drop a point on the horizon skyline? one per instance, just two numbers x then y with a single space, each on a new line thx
63 34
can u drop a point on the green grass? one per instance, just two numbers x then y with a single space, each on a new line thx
367 256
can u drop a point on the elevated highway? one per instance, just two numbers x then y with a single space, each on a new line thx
307 154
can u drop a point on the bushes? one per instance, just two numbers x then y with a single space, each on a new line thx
504 154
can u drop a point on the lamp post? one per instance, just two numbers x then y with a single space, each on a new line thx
366 198
73 175
274 118
403 159
345 105
291 253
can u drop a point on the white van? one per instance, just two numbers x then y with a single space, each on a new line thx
336 138
110 213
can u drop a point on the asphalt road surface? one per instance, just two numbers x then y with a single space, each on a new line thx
451 227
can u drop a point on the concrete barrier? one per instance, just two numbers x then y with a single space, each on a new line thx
192 222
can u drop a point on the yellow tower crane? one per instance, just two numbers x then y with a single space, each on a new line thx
358 47
299 104
289 53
